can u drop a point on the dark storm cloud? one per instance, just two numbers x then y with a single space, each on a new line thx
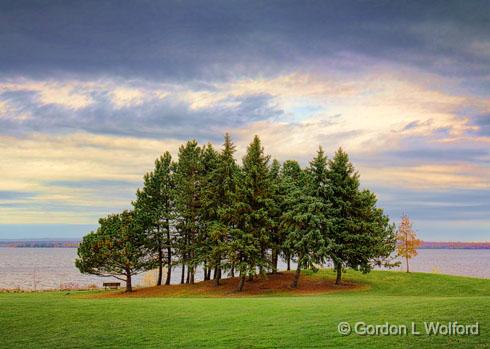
183 40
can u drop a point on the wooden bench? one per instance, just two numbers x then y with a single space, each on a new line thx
111 285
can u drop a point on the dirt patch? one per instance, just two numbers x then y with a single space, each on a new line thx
270 285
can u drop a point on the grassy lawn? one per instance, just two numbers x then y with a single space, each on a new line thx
67 320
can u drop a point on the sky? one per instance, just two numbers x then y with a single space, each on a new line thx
91 92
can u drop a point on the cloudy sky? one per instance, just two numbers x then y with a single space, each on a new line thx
91 92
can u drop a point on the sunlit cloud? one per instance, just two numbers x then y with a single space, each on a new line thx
405 95
126 97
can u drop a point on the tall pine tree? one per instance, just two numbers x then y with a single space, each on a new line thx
361 233
188 179
222 186
276 238
155 207
209 209
306 224
251 237
291 177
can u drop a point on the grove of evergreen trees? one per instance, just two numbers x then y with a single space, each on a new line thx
204 210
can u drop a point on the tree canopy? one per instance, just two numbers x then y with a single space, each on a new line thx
118 248
206 212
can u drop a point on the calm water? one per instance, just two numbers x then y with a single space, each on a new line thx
52 268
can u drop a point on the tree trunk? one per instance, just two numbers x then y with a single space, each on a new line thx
296 276
338 268
188 277
192 268
289 262
408 269
274 261
169 258
183 274
209 273
241 283
129 287
262 254
160 267
217 276
232 272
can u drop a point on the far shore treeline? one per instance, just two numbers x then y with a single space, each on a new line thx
205 210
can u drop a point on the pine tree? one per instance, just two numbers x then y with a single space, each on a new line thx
407 243
223 188
291 177
360 232
306 225
209 209
154 206
318 173
372 237
276 238
118 248
188 178
251 237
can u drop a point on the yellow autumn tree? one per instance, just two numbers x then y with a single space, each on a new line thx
407 242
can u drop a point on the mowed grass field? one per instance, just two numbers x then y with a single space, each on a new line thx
80 320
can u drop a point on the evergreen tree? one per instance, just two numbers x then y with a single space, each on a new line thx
318 173
209 209
373 237
344 186
306 225
291 178
360 232
118 248
276 239
154 206
205 209
188 177
251 237
223 189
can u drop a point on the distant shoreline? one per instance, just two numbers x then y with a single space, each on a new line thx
52 243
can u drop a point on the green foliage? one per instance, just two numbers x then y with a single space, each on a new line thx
188 203
118 248
205 210
360 233
275 213
155 209
221 191
251 238
305 219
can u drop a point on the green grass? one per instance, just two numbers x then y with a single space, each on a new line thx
61 320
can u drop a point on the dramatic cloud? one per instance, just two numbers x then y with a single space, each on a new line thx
91 92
